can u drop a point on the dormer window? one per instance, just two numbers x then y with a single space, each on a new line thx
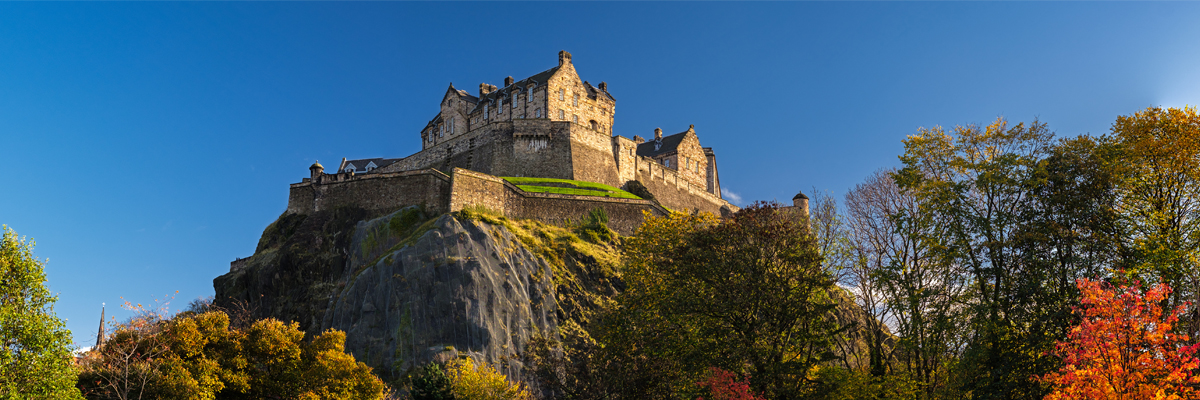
370 166
349 169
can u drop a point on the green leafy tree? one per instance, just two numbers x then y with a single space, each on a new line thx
35 360
431 383
747 294
978 181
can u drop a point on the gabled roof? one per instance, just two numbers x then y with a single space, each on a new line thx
595 92
360 166
655 148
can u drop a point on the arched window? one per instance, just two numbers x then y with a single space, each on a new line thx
595 126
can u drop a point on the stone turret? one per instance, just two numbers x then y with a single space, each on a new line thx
316 170
508 81
801 202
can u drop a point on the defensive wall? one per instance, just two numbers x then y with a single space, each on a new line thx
439 193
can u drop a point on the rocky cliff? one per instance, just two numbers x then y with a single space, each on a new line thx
408 287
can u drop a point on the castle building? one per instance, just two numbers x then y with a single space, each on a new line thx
550 125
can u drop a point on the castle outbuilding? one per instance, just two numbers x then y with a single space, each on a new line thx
550 125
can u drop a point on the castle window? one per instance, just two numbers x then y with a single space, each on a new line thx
441 131
529 96
562 94
537 113
576 102
451 126
595 127
485 111
667 163
562 114
575 119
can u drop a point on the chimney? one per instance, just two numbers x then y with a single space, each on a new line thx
484 89
508 81
603 86
638 139
564 58
658 134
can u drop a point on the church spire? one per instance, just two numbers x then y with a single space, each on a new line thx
100 336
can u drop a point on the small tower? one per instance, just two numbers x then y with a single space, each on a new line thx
100 335
801 203
316 170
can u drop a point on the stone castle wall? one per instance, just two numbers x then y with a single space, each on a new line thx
472 188
385 192
676 192
375 191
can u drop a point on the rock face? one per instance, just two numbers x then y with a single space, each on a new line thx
408 290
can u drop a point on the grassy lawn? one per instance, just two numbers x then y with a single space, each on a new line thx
567 186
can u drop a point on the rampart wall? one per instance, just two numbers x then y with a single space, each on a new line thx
676 192
375 191
473 188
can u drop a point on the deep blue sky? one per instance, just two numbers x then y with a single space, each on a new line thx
146 145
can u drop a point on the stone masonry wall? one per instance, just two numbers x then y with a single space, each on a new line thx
675 192
376 191
473 188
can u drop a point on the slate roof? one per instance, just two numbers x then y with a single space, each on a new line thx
539 78
360 166
668 145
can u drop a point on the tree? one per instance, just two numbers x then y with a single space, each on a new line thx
198 356
1125 347
35 360
472 381
748 294
432 383
901 275
978 182
1159 183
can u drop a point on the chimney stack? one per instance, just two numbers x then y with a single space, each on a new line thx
564 58
484 89
603 86
658 134
638 139
508 81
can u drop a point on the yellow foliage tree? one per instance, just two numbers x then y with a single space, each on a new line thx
471 381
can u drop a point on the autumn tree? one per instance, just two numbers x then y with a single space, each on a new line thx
470 380
198 356
1158 168
1125 347
35 346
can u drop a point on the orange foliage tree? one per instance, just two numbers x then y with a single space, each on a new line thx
1124 348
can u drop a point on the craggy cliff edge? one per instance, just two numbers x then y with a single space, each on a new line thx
408 288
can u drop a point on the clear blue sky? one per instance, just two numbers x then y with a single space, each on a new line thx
146 145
